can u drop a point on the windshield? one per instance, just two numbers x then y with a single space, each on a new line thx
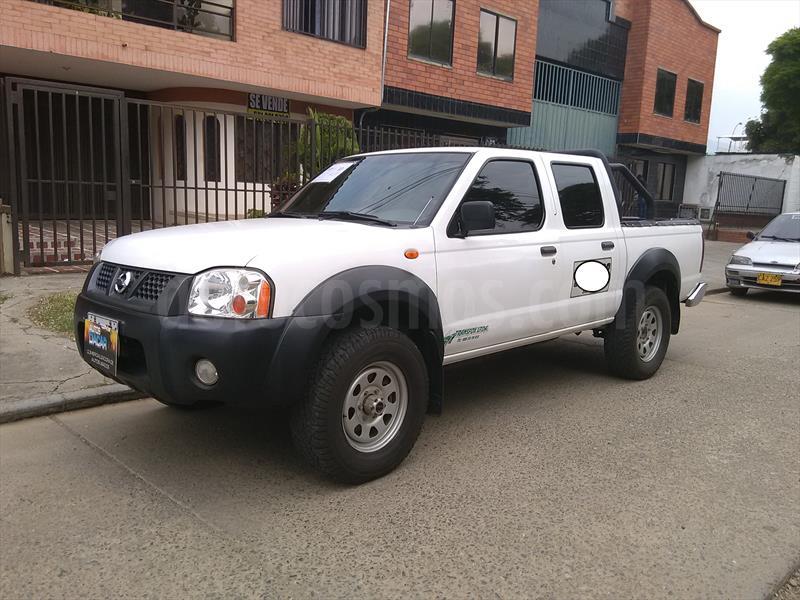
394 188
782 228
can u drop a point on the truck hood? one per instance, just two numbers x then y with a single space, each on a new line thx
772 252
193 248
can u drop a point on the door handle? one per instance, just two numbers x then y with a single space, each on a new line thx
607 245
548 250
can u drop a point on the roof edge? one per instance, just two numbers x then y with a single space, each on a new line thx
700 19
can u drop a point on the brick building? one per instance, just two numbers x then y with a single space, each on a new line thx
666 92
145 113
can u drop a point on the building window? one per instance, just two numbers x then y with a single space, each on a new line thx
342 21
512 188
579 195
430 30
694 101
253 150
665 93
180 148
665 181
496 45
211 158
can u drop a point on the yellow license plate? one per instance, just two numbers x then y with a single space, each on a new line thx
768 279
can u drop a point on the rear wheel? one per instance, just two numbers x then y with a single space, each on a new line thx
365 405
637 341
740 291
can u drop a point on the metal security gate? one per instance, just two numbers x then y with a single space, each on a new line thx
746 201
64 170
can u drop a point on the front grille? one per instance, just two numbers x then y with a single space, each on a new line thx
104 276
152 286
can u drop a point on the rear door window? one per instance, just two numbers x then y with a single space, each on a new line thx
512 187
579 195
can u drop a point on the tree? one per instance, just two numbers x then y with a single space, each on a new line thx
778 129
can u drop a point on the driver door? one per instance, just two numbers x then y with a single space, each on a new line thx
497 286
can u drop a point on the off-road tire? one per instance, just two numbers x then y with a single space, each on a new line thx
316 422
621 351
739 291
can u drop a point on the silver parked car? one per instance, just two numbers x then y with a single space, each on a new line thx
770 261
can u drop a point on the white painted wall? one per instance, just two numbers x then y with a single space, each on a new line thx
702 172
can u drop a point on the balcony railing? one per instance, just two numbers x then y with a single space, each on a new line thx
213 18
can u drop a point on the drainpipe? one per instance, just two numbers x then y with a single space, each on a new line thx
385 46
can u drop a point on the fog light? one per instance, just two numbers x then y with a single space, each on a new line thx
206 371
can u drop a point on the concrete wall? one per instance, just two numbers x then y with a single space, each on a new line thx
702 172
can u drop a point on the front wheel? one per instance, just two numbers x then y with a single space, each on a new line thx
637 341
364 406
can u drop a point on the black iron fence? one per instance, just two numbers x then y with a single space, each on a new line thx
746 201
87 165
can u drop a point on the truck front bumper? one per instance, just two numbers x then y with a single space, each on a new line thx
256 359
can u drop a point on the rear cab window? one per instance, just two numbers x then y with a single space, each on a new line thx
512 186
579 195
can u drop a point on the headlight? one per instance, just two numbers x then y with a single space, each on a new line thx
740 260
231 293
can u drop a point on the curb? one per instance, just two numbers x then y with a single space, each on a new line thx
16 410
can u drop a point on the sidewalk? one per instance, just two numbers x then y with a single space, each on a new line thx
41 371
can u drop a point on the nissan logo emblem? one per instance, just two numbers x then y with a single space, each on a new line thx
122 281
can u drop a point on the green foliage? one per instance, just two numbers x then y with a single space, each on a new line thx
324 140
54 312
4 297
778 129
254 213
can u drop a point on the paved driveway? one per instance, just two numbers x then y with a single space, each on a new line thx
544 478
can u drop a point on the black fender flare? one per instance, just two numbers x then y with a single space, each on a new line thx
368 295
655 264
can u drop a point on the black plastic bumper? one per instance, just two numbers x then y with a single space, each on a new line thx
259 361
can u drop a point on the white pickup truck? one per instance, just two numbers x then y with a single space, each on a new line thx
347 302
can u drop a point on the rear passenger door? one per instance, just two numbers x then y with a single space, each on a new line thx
591 250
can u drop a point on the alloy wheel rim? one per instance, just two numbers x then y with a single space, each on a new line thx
650 331
375 406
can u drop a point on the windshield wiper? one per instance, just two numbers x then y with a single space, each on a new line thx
348 215
782 239
289 215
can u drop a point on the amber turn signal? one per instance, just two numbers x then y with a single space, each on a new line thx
264 293
411 253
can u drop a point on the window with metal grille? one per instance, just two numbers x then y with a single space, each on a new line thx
665 181
496 43
180 147
254 144
211 157
430 30
694 101
665 93
343 21
570 87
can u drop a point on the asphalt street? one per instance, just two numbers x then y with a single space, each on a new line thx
544 478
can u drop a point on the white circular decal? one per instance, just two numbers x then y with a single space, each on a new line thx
592 276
